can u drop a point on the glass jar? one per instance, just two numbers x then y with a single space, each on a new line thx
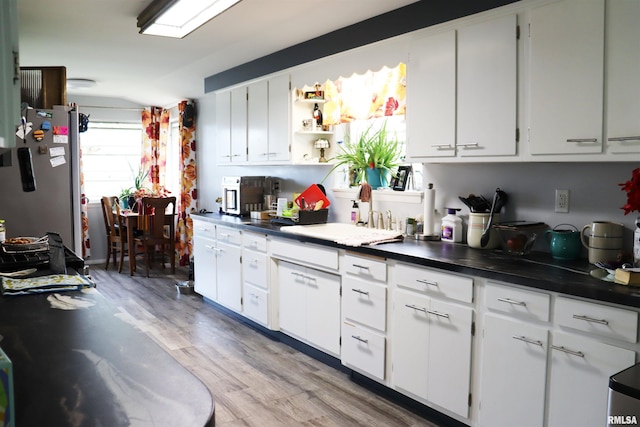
3 231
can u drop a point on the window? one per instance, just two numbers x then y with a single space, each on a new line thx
110 158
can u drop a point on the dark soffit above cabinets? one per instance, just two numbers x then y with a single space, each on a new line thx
415 16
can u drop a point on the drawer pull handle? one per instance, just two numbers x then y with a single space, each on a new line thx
580 140
468 145
213 248
364 267
355 337
360 291
436 313
527 340
566 350
590 319
510 301
624 138
427 282
225 235
442 146
414 307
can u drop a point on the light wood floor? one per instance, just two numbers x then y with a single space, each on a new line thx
254 380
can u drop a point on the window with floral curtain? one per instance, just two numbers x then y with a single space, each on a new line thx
188 200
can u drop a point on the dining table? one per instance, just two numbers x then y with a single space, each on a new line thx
131 223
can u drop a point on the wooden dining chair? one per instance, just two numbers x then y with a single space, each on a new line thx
116 235
155 225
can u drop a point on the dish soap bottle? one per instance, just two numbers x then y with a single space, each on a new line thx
355 213
451 226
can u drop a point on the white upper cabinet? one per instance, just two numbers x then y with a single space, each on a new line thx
623 70
223 127
470 110
566 77
258 121
431 96
487 88
279 118
231 126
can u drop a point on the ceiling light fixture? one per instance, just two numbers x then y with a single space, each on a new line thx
177 18
80 83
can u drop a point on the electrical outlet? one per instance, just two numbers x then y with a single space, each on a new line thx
562 201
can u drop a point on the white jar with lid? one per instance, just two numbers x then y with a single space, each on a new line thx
451 227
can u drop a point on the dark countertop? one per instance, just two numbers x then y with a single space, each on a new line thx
536 270
76 363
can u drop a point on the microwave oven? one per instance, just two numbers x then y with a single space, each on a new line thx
242 194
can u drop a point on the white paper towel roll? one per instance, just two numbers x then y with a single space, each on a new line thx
429 209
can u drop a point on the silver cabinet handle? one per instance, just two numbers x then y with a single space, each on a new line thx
355 337
414 307
360 291
579 140
566 350
364 267
514 302
427 282
443 146
624 138
527 340
437 313
590 319
468 145
213 248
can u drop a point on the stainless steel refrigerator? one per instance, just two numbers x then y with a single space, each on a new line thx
40 190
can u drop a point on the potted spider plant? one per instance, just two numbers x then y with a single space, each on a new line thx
372 158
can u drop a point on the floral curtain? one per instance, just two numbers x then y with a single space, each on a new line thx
155 123
188 201
366 96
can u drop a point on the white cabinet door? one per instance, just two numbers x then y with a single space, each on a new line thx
204 250
513 372
223 127
579 375
323 310
623 69
292 299
257 121
279 118
566 77
228 276
239 125
487 88
431 96
410 342
449 367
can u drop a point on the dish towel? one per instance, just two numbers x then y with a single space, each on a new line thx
51 283
370 237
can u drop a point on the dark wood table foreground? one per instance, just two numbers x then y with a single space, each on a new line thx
76 363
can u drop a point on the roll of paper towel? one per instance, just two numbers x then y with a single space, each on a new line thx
429 209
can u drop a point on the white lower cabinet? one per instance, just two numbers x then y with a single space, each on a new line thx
431 349
309 306
514 365
363 350
255 278
228 268
578 379
204 251
255 303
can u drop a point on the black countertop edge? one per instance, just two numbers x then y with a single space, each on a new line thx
536 270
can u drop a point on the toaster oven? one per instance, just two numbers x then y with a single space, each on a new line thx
242 194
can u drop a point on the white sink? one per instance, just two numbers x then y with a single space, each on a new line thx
347 234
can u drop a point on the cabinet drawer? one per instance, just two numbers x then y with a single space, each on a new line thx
597 319
363 350
255 303
518 302
434 282
228 235
254 241
254 268
204 229
365 302
367 268
306 253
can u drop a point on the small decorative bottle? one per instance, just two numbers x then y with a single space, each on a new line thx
3 231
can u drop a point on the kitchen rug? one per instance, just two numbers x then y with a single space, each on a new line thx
51 283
